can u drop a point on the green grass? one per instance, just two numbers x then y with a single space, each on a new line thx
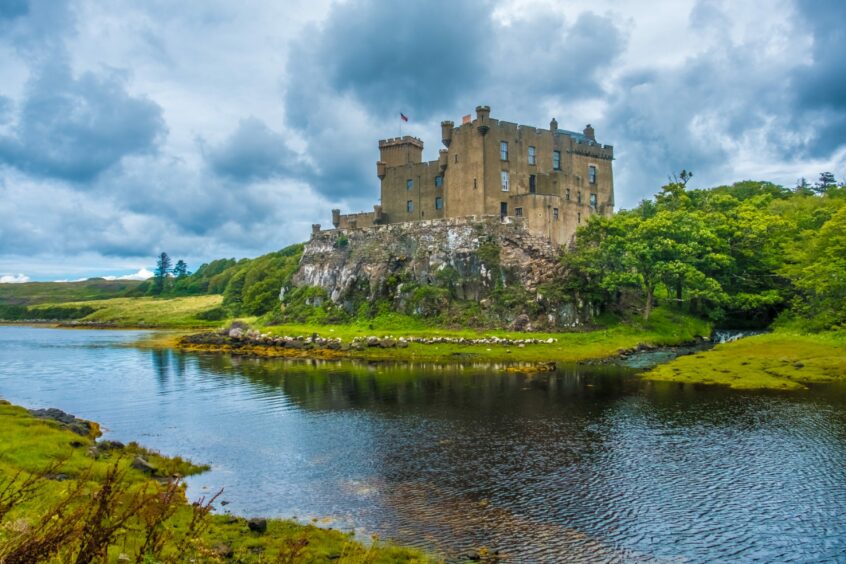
665 327
29 445
147 312
61 292
782 360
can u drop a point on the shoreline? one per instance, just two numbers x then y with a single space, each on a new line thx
64 460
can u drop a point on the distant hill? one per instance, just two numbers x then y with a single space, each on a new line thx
31 293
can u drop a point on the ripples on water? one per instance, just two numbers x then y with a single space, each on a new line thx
586 463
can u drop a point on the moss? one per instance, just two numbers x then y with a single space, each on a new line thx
781 360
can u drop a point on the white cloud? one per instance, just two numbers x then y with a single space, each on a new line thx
142 274
13 278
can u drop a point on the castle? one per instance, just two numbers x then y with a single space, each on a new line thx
551 180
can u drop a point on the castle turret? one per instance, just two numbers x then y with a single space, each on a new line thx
483 115
400 151
446 132
380 170
589 133
443 159
336 218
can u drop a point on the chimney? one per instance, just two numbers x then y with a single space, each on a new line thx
589 133
553 125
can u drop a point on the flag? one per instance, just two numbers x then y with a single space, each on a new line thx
403 117
465 119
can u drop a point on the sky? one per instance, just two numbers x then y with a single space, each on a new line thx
211 128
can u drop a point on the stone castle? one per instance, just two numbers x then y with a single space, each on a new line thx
550 180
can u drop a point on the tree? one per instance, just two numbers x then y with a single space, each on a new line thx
162 271
181 269
825 182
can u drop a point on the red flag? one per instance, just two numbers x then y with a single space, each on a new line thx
403 117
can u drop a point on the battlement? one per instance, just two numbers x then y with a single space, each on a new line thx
400 141
551 179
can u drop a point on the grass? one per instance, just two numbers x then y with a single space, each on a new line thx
62 292
783 360
50 465
147 312
665 327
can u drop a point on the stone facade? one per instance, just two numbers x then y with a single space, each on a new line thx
552 179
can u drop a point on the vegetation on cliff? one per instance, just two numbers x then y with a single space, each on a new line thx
65 497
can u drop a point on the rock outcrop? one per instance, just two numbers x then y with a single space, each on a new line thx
470 259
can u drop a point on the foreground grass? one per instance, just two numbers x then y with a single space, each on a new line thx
782 360
65 468
665 327
147 312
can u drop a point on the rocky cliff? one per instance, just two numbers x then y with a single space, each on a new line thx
423 267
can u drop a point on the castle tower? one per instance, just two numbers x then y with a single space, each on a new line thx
400 151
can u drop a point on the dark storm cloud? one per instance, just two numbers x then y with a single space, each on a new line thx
75 128
821 85
429 60
547 56
253 151
10 9
394 56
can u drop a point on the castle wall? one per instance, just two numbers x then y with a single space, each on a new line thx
423 193
553 201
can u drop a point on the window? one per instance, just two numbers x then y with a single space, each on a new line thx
567 195
592 174
556 160
503 209
554 213
409 184
474 184
456 158
439 203
518 212
503 150
503 176
532 184
579 196
409 206
532 156
593 201
439 181
579 216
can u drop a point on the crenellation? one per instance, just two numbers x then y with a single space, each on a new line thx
544 178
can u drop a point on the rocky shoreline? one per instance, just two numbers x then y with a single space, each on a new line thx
238 337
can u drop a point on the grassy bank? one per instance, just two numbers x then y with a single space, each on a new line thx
61 495
141 312
665 327
782 360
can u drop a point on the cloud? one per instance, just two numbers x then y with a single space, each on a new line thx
13 278
252 152
350 77
10 9
75 128
142 274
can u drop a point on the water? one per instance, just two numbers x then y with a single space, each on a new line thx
584 464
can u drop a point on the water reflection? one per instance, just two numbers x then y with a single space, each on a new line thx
584 463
